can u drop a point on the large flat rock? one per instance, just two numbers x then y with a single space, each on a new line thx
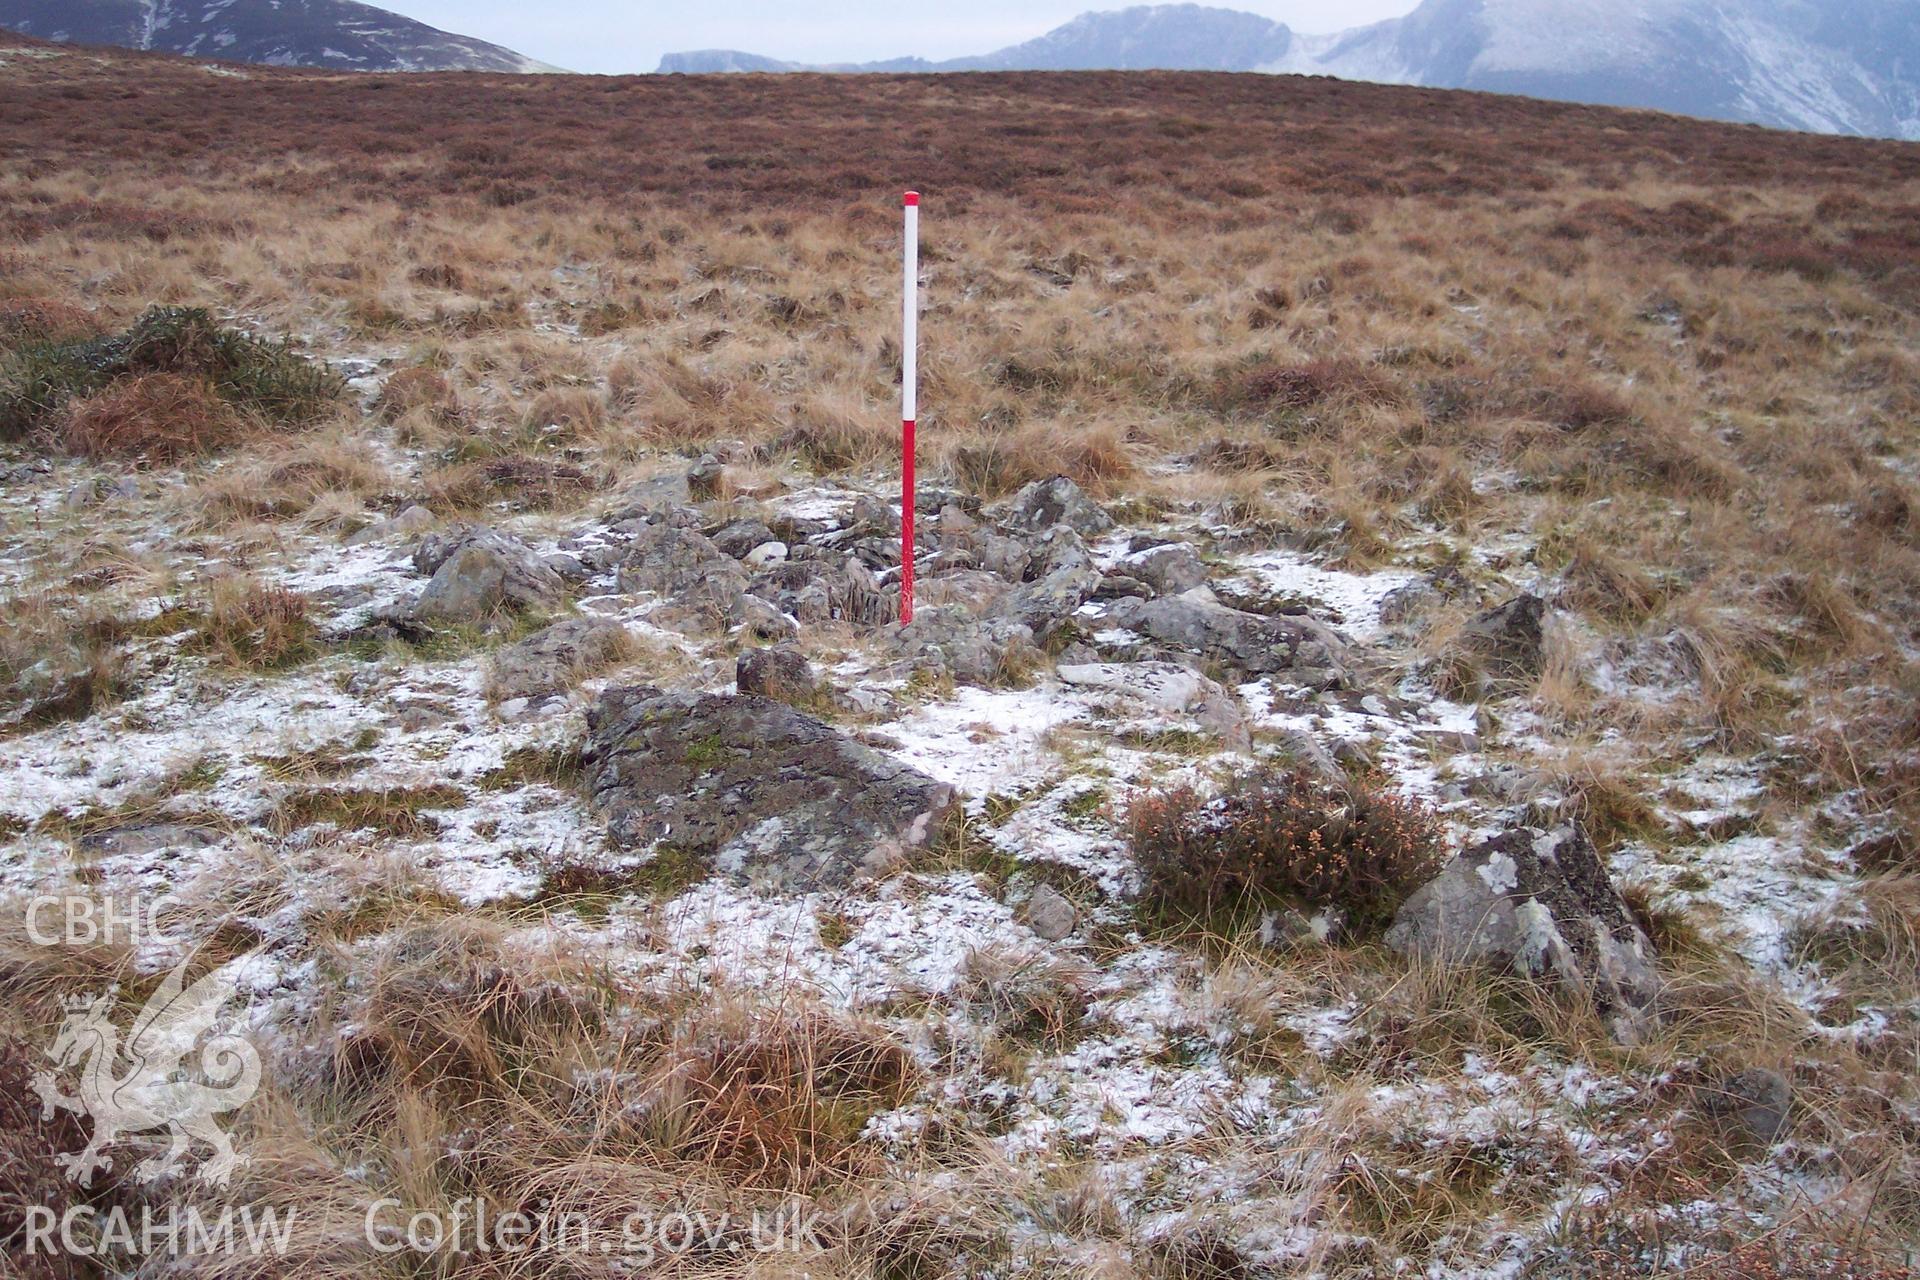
768 793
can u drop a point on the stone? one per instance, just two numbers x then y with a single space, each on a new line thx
781 673
706 479
1540 904
669 561
553 659
970 648
1166 686
757 618
1169 569
1044 605
765 792
1049 914
968 588
478 572
1045 503
742 536
1755 1103
1251 644
410 522
1509 639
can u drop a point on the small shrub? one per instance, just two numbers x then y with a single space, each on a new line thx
419 388
161 416
260 627
250 374
1280 836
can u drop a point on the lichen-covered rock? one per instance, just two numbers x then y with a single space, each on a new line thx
673 562
767 793
781 672
1045 503
961 643
1169 569
1541 904
554 658
478 572
1196 624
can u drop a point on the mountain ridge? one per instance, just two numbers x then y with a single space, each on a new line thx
1790 64
334 34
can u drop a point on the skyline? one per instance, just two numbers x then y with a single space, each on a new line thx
605 37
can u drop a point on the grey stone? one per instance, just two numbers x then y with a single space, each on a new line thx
781 673
477 572
742 536
768 793
705 479
1050 914
672 561
969 588
1250 644
1509 639
759 619
553 659
1756 1103
1169 569
970 648
1539 903
1045 503
411 522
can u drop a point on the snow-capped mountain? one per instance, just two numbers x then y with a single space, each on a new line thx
1830 66
293 33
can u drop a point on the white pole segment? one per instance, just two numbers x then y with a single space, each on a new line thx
910 316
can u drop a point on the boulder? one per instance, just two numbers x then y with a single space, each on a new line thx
1169 569
741 537
1250 644
760 620
1539 903
970 648
1166 686
410 522
554 658
1045 503
767 793
1509 639
478 572
673 562
781 673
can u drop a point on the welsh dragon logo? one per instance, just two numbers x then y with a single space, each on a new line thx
144 1084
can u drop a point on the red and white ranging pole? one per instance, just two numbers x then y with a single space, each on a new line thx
909 398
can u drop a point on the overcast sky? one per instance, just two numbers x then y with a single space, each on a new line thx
616 36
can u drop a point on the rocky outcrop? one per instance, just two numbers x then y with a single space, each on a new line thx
1250 644
554 659
1046 503
763 791
478 572
1541 904
970 648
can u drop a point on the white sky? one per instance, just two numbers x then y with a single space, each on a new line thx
611 36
